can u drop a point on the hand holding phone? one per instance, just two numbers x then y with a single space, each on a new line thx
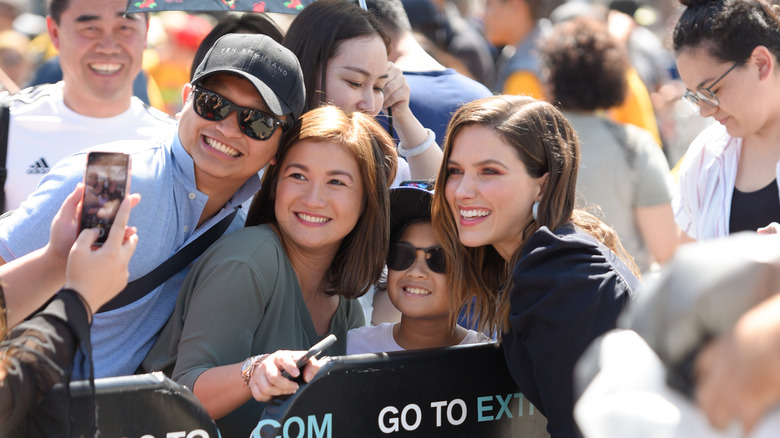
314 351
106 181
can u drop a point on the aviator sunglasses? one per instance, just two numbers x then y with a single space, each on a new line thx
252 122
402 255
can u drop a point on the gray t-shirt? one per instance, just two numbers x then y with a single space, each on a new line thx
242 298
619 178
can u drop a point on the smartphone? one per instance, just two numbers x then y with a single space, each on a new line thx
314 351
106 180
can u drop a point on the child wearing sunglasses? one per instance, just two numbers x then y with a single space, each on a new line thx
416 284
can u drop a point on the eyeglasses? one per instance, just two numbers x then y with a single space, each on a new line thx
705 95
402 256
215 107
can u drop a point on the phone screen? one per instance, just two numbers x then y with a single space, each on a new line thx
105 183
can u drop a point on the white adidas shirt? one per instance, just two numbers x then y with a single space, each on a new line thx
43 131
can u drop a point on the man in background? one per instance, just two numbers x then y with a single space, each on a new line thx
100 50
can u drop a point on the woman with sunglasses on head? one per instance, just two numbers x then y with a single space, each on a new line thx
343 52
727 53
313 241
416 284
548 277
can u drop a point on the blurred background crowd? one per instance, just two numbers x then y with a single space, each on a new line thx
478 38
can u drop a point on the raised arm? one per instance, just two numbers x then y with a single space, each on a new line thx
418 145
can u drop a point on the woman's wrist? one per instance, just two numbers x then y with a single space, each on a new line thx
429 141
83 300
248 367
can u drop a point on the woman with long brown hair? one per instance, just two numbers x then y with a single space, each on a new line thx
549 277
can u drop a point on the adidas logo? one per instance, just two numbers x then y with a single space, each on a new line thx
39 167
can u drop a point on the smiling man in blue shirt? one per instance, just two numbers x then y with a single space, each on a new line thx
246 91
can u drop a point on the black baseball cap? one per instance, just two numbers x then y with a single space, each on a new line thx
272 68
408 203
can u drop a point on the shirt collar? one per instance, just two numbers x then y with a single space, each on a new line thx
185 170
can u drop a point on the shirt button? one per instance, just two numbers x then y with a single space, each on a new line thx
186 228
192 195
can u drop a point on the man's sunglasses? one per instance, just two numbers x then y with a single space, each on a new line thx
402 255
252 122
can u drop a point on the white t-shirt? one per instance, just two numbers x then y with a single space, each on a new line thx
379 338
43 131
402 173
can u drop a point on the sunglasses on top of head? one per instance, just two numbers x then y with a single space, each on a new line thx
402 255
254 123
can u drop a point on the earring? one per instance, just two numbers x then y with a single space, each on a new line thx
535 211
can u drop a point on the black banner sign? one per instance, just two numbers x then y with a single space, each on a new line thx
463 391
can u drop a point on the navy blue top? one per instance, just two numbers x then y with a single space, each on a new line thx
568 289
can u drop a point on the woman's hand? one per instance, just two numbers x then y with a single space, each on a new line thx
410 131
772 228
98 274
267 380
396 90
65 226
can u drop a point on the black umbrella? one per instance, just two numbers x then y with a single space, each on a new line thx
278 6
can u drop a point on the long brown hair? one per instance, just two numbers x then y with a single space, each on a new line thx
360 258
546 143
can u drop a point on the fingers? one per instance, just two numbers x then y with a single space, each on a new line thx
267 380
312 368
772 228
117 235
393 97
396 88
65 225
85 239
70 207
129 231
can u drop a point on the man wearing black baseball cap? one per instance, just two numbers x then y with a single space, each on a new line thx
246 92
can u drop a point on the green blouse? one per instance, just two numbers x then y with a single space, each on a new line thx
241 298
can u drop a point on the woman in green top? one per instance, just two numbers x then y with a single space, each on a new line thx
316 236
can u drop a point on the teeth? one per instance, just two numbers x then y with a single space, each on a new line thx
474 213
225 149
106 68
417 291
314 219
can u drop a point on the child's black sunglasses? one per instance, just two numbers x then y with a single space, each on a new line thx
401 256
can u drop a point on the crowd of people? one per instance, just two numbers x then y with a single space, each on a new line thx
510 176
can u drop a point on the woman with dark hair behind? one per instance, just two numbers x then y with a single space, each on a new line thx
549 277
343 51
316 236
727 53
622 170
